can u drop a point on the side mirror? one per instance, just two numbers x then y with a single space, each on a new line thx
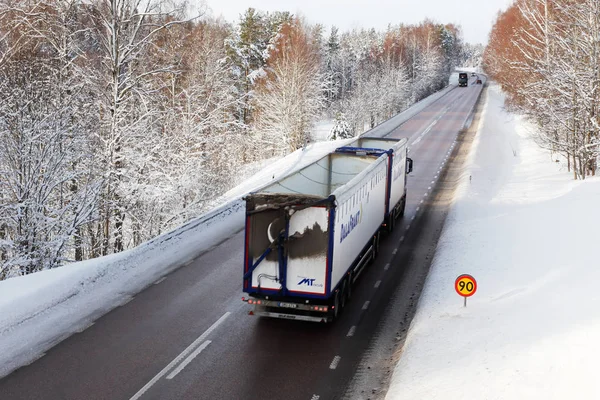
409 165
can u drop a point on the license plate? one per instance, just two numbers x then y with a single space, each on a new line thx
288 305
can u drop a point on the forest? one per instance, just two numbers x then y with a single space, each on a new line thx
546 56
122 119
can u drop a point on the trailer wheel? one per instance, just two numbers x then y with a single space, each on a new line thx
375 246
403 207
391 222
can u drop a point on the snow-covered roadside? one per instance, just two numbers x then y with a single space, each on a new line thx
523 228
39 310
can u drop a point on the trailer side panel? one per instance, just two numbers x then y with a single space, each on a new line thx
398 187
360 212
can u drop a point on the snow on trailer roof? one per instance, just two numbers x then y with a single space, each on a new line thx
378 143
324 176
331 173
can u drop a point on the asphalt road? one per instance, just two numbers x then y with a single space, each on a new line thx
190 336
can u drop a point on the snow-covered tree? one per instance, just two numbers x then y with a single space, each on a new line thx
126 31
341 129
291 95
546 54
202 147
248 48
48 191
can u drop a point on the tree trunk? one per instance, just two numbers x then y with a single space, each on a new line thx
78 245
106 232
119 218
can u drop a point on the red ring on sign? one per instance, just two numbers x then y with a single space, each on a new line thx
470 278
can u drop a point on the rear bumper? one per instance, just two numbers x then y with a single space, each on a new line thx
298 317
288 310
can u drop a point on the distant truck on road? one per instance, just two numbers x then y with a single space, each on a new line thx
309 235
463 79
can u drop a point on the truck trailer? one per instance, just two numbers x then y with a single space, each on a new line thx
309 235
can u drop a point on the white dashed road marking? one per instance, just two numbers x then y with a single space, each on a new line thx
335 362
188 360
181 356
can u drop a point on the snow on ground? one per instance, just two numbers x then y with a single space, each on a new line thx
41 309
322 130
525 230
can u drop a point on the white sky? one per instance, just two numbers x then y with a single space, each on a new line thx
475 16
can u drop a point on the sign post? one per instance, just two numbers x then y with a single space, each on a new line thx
466 286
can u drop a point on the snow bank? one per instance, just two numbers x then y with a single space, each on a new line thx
522 227
41 309
322 130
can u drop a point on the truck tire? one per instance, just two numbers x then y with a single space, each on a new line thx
375 246
344 296
402 208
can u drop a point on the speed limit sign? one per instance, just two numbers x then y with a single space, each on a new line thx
466 286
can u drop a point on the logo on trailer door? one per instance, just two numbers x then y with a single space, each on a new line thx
309 282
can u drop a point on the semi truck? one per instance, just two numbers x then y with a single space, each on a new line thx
309 235
463 79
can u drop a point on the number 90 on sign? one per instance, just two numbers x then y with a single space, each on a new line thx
465 285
